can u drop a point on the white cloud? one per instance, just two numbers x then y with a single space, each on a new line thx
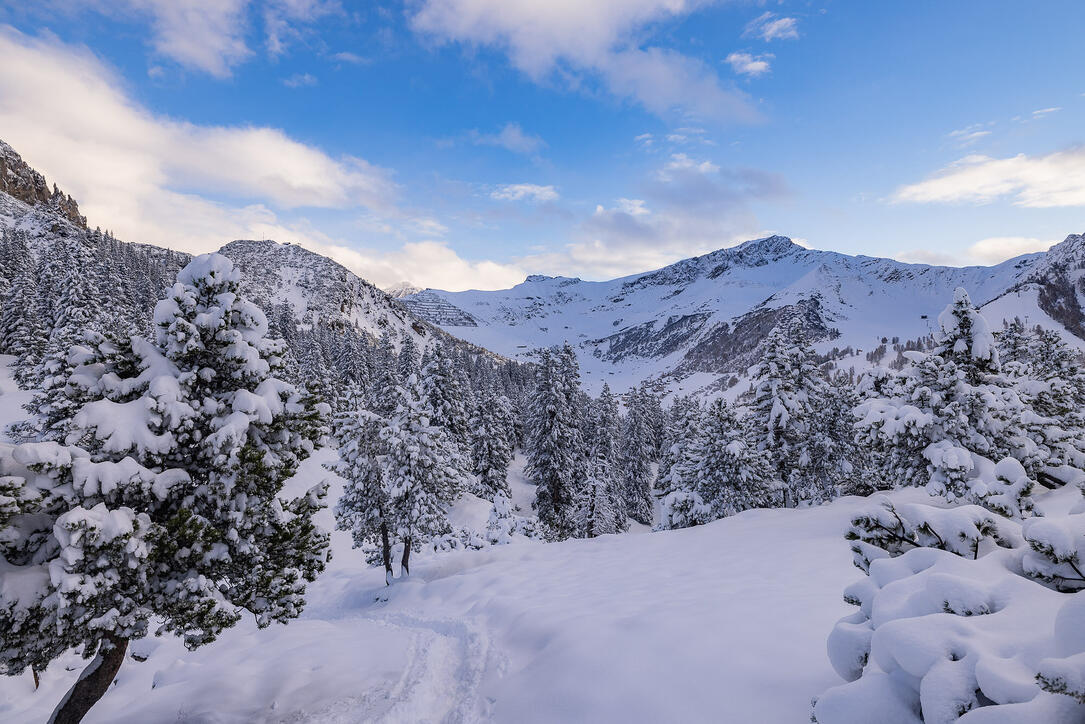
348 57
1056 179
596 39
60 105
997 249
425 264
985 252
682 162
970 134
204 35
751 65
926 256
300 80
689 207
1046 111
769 26
285 20
522 192
511 137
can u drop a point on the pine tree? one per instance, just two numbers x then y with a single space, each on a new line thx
637 452
830 460
445 392
53 405
382 391
492 444
408 362
950 415
555 447
170 506
423 470
787 384
22 331
601 506
682 428
728 474
364 510
597 513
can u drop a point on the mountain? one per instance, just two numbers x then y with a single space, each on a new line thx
320 291
332 314
697 323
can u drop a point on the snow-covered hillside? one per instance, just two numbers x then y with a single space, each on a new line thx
704 317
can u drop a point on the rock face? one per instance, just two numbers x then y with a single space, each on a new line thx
21 182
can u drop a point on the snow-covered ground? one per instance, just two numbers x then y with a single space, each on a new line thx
729 620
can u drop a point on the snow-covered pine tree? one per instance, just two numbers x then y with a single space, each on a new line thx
22 332
364 509
170 506
728 474
682 427
382 395
446 394
52 406
605 430
601 506
680 504
423 470
950 415
597 513
492 444
555 448
830 461
964 338
637 453
1013 344
409 360
787 385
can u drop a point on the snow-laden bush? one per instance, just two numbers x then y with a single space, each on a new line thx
961 618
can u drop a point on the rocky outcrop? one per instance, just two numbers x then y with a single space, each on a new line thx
20 181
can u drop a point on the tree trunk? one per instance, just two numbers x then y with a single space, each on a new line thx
386 553
405 564
93 682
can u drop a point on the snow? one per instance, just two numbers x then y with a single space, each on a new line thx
663 626
12 398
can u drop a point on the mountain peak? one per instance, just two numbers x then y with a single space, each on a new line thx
775 245
20 181
402 289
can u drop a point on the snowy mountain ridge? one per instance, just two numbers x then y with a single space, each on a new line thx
317 290
701 320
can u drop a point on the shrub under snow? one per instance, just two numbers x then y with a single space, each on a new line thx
961 618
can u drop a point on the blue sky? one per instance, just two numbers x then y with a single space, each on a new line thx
466 143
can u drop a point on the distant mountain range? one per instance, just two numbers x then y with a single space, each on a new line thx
701 320
693 325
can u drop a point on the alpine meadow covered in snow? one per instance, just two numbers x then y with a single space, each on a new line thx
630 460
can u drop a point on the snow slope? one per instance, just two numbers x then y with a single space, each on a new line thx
703 318
727 620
